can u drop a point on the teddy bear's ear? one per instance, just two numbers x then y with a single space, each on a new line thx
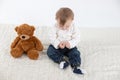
33 28
16 28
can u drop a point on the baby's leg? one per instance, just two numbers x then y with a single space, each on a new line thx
57 56
54 54
75 60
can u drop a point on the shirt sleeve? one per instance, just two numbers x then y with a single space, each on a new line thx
75 38
54 37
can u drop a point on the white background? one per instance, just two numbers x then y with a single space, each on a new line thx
88 13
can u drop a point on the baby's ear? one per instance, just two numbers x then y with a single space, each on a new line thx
16 28
33 28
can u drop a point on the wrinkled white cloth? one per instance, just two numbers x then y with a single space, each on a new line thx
72 35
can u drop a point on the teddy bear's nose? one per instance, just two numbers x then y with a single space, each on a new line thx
23 36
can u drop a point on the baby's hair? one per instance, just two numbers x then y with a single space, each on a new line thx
63 14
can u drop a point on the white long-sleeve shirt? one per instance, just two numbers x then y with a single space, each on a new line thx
71 35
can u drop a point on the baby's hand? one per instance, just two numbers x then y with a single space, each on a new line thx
62 45
67 44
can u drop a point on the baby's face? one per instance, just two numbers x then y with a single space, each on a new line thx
66 25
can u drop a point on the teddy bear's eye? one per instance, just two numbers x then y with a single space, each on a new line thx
29 30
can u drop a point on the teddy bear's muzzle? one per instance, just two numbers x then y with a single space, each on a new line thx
24 37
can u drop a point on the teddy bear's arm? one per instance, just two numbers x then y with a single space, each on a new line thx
38 44
15 42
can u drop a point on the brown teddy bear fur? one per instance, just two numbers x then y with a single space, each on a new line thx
25 42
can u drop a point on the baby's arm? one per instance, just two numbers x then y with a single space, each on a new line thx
75 37
54 37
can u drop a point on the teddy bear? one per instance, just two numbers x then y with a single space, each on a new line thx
25 42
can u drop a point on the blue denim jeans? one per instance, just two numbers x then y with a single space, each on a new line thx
57 55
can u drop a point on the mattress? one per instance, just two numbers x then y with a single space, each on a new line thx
100 53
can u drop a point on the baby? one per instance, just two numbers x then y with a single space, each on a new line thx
64 37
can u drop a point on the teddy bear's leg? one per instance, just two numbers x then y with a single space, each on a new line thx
33 54
16 52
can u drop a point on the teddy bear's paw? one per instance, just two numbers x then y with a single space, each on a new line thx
16 53
33 54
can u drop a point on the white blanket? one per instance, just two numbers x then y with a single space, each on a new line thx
100 53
